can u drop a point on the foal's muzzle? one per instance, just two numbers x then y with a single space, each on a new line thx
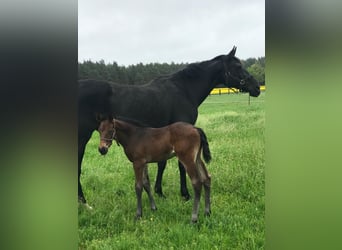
103 150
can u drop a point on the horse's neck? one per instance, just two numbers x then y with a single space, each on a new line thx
199 86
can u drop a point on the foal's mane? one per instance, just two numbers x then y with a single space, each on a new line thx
132 121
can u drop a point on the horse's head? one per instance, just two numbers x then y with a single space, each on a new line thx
107 135
235 76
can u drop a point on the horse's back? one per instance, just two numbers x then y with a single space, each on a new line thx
90 87
153 104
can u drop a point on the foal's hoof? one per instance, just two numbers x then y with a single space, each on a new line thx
86 206
194 219
90 208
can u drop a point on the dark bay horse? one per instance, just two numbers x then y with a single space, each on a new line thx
143 145
164 100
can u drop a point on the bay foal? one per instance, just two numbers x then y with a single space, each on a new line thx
143 145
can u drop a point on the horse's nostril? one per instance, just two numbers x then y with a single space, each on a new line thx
103 150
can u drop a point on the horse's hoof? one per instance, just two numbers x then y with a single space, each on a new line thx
161 195
186 197
194 221
207 214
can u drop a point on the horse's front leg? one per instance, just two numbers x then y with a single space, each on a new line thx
81 148
83 138
182 176
158 184
138 171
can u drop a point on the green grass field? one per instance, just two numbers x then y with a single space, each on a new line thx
235 132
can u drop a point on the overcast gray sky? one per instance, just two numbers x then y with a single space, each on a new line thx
133 31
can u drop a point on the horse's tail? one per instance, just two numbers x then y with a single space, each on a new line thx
205 146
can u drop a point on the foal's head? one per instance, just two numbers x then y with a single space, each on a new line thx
107 135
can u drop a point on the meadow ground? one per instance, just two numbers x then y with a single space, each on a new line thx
235 132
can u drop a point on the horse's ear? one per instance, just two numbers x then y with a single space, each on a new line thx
232 52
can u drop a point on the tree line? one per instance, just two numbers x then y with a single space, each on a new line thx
142 73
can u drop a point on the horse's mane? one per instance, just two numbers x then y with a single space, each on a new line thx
190 71
194 69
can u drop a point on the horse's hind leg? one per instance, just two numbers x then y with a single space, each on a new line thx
147 187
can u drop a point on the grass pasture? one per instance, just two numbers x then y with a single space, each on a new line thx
235 132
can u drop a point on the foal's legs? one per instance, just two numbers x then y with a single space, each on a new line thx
138 171
147 187
190 166
206 180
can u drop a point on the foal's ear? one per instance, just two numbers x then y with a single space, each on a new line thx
232 52
98 117
102 117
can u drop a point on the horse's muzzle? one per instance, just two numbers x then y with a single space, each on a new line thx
255 92
103 150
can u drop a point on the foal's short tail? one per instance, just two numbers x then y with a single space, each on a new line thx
205 146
